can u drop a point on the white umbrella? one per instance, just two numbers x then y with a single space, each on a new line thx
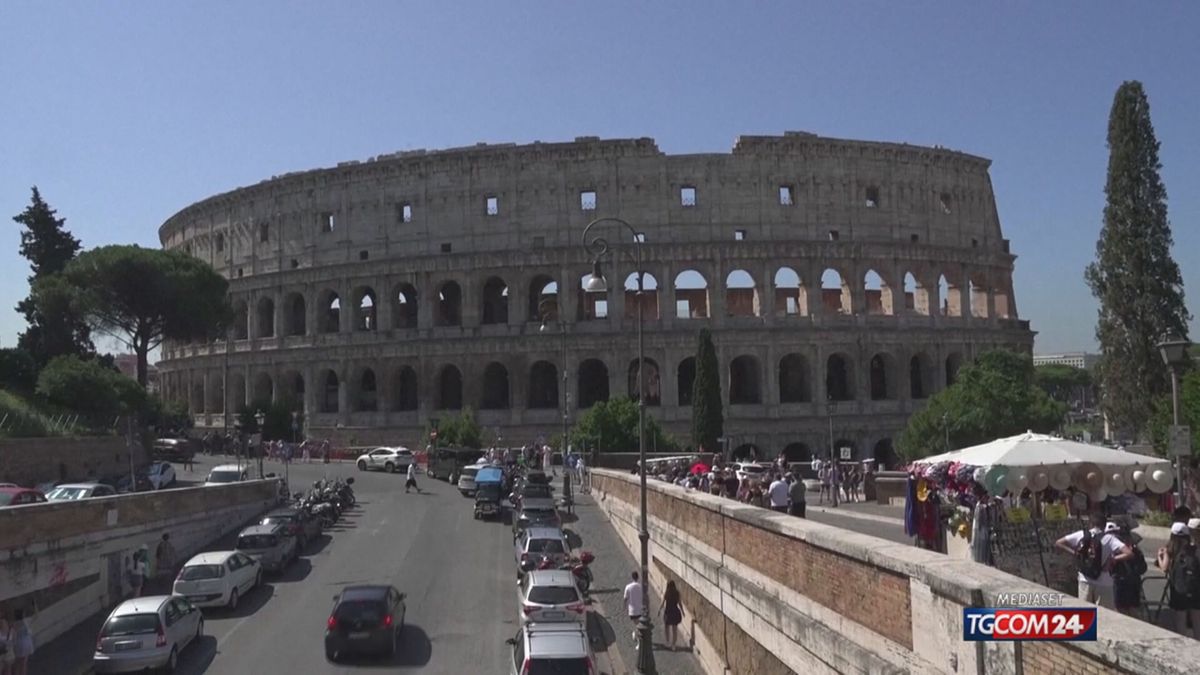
1030 449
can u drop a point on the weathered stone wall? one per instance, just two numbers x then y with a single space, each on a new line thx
769 593
68 557
30 461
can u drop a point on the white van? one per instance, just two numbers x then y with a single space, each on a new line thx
466 480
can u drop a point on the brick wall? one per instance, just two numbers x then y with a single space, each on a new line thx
1061 659
30 461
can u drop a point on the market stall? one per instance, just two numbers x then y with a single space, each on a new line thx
1006 502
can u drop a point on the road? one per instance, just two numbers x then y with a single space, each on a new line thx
458 574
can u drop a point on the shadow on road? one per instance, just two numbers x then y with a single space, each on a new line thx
413 651
317 545
600 631
198 656
248 604
573 538
297 571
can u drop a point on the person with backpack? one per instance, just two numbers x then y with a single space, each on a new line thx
1095 554
1179 562
1127 574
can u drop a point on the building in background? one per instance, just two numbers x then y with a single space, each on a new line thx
1082 360
127 364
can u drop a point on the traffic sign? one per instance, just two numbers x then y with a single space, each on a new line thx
1181 440
847 453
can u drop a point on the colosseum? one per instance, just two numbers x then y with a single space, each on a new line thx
844 283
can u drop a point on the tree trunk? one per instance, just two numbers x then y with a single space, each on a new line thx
143 352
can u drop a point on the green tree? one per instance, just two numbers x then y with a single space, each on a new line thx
88 387
1189 414
277 418
141 296
1060 381
1134 276
18 370
991 398
53 329
460 431
166 417
708 422
612 425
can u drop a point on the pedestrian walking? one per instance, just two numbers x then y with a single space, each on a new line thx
1127 574
796 495
778 494
634 605
7 647
835 481
164 557
135 573
672 613
1095 553
412 478
1179 562
823 475
22 640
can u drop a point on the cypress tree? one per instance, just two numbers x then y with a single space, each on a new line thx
1134 276
48 246
708 423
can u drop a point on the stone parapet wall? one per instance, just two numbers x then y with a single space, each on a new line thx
30 461
770 593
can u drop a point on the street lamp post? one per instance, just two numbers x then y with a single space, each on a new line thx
1174 353
544 311
597 247
830 406
260 417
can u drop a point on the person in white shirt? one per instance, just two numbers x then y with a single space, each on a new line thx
412 478
634 602
1096 552
778 493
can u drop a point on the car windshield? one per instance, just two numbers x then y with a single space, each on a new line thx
279 520
200 572
534 491
553 595
256 541
224 476
63 493
576 666
488 491
6 498
470 471
539 515
360 610
130 624
546 546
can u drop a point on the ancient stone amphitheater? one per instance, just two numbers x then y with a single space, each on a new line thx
844 283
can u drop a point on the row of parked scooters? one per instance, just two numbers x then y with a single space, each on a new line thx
327 500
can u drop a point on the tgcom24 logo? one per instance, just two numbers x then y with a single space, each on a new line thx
1027 623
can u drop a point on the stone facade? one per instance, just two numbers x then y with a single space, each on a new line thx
844 282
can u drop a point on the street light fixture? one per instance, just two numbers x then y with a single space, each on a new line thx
597 247
544 311
1174 351
260 417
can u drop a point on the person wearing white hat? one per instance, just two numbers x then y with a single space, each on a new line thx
1127 574
1095 551
1179 562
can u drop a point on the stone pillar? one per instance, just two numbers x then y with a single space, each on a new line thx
344 395
383 304
715 276
518 300
347 310
383 389
766 292
472 297
770 380
281 327
666 295
568 294
618 373
311 312
426 302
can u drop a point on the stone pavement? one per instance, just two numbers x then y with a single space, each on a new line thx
608 618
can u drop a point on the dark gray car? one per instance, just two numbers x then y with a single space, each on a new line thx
298 523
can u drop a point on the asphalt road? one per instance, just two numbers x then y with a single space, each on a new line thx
458 574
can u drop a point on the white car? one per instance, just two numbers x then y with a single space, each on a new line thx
550 596
218 579
751 470
228 473
73 491
390 460
466 479
161 474
146 633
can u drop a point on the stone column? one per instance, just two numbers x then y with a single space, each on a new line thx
344 395
383 304
347 310
426 302
472 297
311 389
312 312
766 292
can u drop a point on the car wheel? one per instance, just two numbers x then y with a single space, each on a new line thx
330 655
233 599
257 580
362 465
199 629
172 661
389 467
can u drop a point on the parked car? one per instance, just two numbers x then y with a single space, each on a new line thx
270 545
390 460
122 482
448 463
526 518
218 578
364 619
74 491
227 473
11 495
161 474
547 596
466 478
752 470
145 633
541 542
173 449
299 524
534 496
558 648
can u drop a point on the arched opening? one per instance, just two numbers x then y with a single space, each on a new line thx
953 363
329 315
237 392
543 386
883 380
450 388
839 379
495 301
404 307
791 298
593 383
367 317
196 401
685 379
265 318
368 399
746 452
649 300
1002 300
543 299
741 295
885 455
241 321
264 388
793 379
916 296
404 390
744 381
797 452
920 376
449 306
291 389
592 306
216 395
329 392
691 295
295 314
495 387
835 293
951 298
878 294
980 295
653 382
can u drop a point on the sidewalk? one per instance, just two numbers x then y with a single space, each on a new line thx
608 619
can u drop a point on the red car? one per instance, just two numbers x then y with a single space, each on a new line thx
16 496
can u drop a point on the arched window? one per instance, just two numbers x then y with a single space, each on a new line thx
449 305
744 381
295 314
329 393
330 312
649 299
835 293
593 383
543 299
791 298
404 393
685 380
495 301
404 307
495 387
741 295
367 317
793 379
652 382
691 295
450 388
265 318
543 386
839 379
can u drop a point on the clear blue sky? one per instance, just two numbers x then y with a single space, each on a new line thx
123 113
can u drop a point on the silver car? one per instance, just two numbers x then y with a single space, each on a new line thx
558 648
270 545
536 543
550 596
146 633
